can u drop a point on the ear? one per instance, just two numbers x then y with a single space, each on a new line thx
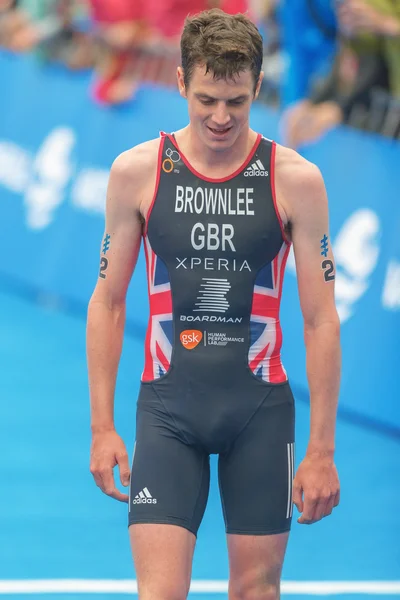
181 82
258 87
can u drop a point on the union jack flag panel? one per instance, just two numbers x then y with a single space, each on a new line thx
265 330
159 337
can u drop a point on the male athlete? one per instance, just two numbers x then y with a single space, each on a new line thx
218 207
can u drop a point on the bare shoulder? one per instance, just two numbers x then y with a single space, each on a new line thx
134 165
133 178
298 181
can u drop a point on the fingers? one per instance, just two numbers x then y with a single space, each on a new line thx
310 504
329 507
120 497
124 470
107 451
317 480
107 485
331 504
337 498
297 496
318 505
322 508
104 478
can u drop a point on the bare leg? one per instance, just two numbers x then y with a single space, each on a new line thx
255 563
163 557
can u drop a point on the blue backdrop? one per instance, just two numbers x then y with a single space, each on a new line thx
56 149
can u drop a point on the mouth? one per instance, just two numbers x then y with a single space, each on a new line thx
219 132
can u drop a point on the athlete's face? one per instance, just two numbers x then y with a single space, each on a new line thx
219 109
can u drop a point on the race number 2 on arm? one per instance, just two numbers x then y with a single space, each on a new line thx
104 259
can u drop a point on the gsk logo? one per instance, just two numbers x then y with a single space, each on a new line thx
191 338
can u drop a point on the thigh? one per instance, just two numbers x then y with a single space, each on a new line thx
170 478
256 474
255 565
163 557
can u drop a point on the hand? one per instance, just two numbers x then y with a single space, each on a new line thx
326 115
308 122
357 16
293 120
107 451
25 39
318 480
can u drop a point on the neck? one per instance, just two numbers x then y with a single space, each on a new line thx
192 146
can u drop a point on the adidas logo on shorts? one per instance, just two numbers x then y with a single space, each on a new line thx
144 497
256 169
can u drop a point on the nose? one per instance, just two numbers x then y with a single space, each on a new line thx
221 116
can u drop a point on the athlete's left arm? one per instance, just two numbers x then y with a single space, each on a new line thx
306 206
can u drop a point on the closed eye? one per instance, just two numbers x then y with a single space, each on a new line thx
206 101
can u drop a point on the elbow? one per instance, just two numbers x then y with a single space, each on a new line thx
328 325
106 302
105 313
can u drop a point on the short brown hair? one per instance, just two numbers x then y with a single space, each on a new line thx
225 44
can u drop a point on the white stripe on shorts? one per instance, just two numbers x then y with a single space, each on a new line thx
292 445
290 458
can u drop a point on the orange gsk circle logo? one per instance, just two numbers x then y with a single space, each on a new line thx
190 338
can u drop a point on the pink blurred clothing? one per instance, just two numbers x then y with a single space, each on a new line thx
168 16
165 16
234 6
115 11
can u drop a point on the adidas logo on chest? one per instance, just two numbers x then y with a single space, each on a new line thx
256 169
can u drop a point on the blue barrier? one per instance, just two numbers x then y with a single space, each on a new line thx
56 148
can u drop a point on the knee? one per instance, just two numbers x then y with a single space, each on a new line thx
166 592
162 595
254 588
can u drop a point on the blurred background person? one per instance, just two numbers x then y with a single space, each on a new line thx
119 27
139 42
364 78
127 42
52 28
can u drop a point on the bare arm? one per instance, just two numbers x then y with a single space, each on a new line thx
306 205
106 315
315 276
106 318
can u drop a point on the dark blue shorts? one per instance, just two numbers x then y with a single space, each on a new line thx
171 471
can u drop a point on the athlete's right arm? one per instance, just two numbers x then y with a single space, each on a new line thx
106 317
